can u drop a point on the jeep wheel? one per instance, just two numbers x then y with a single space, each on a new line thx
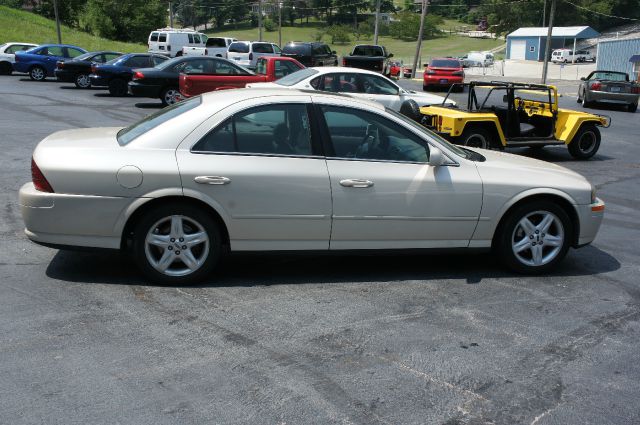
411 110
475 137
586 142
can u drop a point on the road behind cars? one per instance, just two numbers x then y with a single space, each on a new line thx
394 339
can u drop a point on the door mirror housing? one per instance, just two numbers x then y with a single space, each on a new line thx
436 157
583 78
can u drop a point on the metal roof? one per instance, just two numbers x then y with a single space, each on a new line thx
568 32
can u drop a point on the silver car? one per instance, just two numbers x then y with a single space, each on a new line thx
286 170
609 87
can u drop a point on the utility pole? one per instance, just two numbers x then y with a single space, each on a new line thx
279 23
375 32
548 43
170 15
416 59
259 20
544 12
55 12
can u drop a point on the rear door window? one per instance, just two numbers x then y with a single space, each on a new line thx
196 38
283 68
137 62
55 51
239 48
162 38
110 56
216 42
262 48
72 53
157 60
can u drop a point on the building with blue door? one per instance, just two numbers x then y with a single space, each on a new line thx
618 55
530 43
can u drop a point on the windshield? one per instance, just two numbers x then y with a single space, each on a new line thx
609 76
126 135
445 63
239 48
367 51
296 77
430 134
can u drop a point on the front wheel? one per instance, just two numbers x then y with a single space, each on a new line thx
475 137
82 81
169 96
586 142
37 73
534 237
176 244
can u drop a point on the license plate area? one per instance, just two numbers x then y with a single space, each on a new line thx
614 89
443 81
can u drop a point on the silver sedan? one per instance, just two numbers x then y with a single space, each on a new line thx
286 170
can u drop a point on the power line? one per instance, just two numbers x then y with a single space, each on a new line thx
600 13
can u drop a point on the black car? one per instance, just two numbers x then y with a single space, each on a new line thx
78 69
116 73
311 54
162 81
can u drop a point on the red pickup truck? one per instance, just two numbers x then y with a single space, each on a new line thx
269 68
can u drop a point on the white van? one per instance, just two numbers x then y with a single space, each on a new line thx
475 58
566 56
170 41
246 53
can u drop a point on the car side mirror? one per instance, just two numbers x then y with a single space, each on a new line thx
583 78
425 64
436 157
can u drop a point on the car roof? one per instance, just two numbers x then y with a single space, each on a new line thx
327 69
60 45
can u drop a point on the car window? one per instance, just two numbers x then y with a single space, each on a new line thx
137 62
111 56
281 129
73 53
17 48
162 38
261 66
53 51
154 36
128 134
190 38
157 60
367 51
198 66
216 42
283 68
239 47
373 84
196 38
445 63
318 50
363 135
609 76
327 50
262 48
276 49
337 82
297 49
221 67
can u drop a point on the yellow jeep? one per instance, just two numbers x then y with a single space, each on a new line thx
505 114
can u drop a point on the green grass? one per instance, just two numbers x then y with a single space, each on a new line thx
19 25
447 45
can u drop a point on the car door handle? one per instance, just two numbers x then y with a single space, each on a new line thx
356 183
212 180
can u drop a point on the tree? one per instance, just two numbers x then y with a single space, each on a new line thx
130 20
407 26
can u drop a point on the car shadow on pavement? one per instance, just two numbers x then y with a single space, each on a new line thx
277 268
553 154
148 105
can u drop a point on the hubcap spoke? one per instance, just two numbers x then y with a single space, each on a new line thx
527 225
194 239
545 223
166 260
536 251
552 240
524 243
177 231
158 240
189 260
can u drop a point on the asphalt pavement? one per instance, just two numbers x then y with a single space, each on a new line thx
308 339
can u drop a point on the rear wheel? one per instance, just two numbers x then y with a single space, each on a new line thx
118 87
176 244
410 109
5 68
425 87
586 142
169 96
475 137
82 81
37 73
585 103
632 107
534 237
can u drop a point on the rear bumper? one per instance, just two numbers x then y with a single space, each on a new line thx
72 220
590 217
144 90
603 96
442 80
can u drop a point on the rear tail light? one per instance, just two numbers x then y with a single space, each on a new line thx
39 180
595 86
635 90
138 75
431 72
250 56
344 62
59 64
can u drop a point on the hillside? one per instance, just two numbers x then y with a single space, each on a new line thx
19 25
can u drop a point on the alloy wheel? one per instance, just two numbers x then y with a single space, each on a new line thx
83 81
37 73
538 238
171 96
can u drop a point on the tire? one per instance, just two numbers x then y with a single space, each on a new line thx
82 81
179 54
579 99
176 244
118 87
169 96
425 87
585 103
632 107
586 142
37 73
475 137
411 110
5 68
534 237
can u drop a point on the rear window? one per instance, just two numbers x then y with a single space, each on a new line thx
444 63
154 36
297 49
609 76
296 77
367 51
239 48
216 42
262 48
126 135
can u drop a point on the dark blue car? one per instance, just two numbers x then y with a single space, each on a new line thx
40 62
116 73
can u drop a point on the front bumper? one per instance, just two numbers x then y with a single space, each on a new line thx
72 220
144 90
590 217
64 76
605 96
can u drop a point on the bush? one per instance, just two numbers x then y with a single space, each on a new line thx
269 25
407 26
364 31
340 34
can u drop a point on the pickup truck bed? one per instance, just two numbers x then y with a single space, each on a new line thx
370 57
